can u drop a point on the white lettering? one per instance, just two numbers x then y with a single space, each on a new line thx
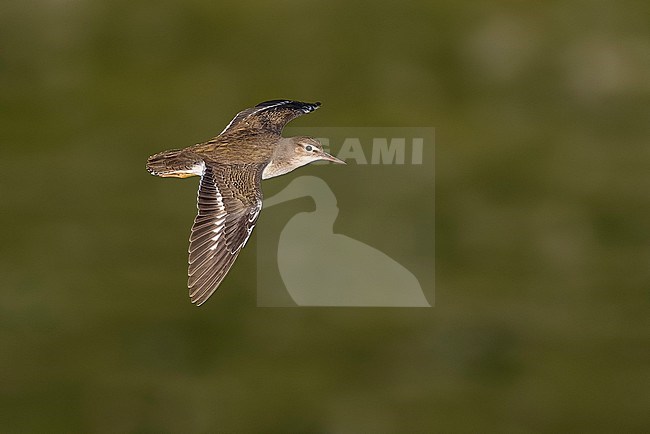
352 150
389 154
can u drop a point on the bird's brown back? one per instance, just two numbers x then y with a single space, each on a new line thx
238 147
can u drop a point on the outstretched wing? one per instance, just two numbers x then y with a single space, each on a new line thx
229 202
270 116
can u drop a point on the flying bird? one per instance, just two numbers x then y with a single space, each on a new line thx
231 166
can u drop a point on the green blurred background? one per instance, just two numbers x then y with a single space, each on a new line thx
542 217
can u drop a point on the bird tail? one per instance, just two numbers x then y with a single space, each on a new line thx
175 163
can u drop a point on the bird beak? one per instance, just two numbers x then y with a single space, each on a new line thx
327 157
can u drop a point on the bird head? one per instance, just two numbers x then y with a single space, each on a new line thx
308 149
294 152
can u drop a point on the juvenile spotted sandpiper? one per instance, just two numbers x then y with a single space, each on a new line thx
232 166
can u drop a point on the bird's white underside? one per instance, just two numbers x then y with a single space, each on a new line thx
197 169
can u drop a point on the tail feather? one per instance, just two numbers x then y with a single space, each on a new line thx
175 163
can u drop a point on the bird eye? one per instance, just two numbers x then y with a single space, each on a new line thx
308 148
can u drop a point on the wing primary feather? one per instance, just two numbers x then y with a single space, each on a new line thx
269 116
